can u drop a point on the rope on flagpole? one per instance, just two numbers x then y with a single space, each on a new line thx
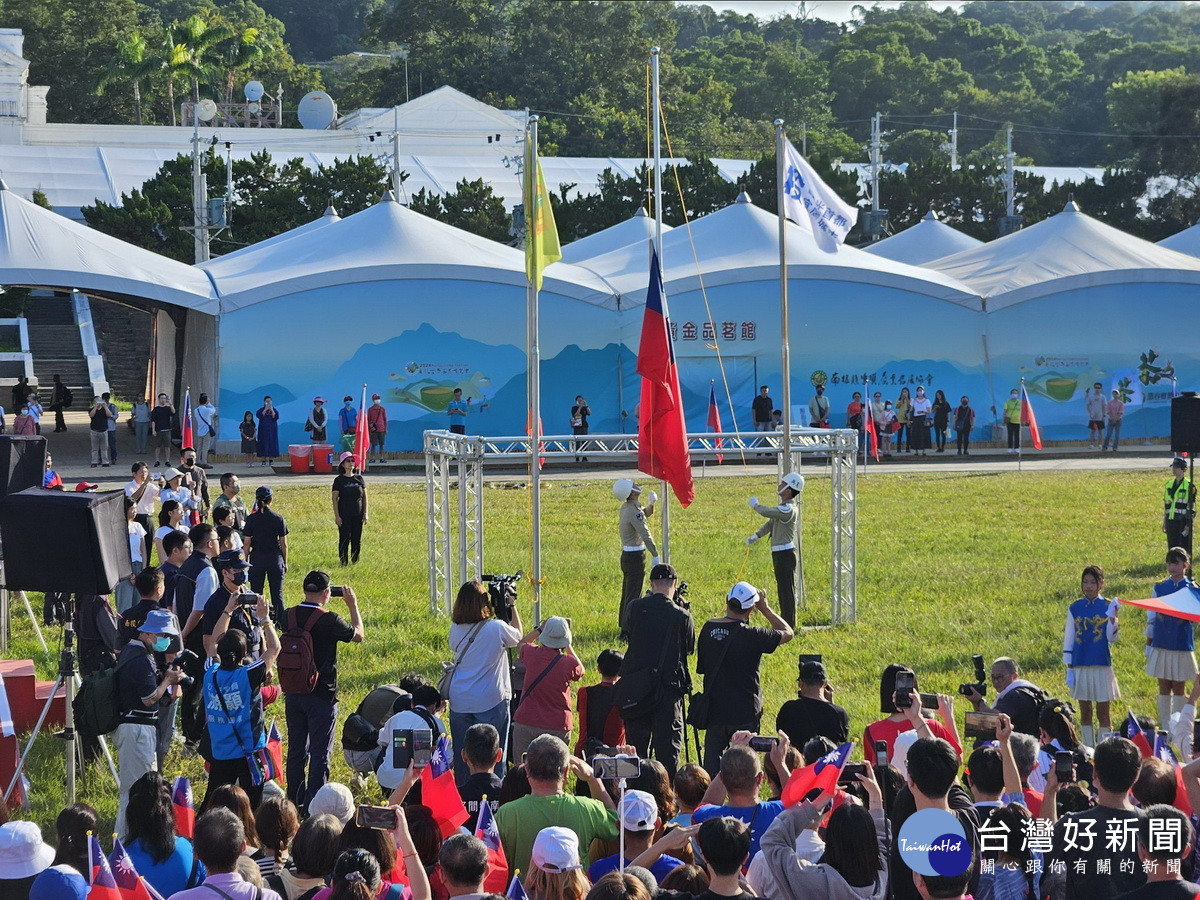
716 346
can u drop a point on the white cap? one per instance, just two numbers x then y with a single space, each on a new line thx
794 480
903 743
333 799
744 594
623 487
556 849
638 811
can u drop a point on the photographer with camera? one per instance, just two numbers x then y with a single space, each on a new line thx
141 691
1017 698
478 684
308 675
231 567
654 673
233 701
729 655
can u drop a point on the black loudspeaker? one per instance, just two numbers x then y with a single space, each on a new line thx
22 462
64 541
1185 423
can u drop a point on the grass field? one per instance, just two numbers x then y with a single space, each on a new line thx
948 565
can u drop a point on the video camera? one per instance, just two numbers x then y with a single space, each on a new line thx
681 592
182 659
502 591
981 678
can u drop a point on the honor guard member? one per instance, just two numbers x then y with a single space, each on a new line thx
1179 505
635 540
785 549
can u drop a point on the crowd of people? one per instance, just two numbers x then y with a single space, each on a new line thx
1052 805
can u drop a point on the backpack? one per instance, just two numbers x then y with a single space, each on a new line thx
97 709
297 672
67 397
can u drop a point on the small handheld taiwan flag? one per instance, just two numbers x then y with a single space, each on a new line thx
185 809
439 792
1138 737
1028 418
275 748
131 885
101 884
820 776
486 830
516 890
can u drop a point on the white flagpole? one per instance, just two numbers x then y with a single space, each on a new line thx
655 113
1020 422
535 380
784 340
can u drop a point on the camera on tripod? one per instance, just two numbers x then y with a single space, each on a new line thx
502 592
980 685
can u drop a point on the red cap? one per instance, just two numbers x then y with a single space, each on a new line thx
86 486
376 397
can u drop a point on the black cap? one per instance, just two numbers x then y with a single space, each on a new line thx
1179 463
316 581
231 559
663 571
264 493
813 672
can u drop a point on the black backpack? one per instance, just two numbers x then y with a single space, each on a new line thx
97 708
67 397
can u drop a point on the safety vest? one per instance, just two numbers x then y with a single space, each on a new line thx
1175 498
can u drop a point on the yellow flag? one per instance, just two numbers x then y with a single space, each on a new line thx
541 238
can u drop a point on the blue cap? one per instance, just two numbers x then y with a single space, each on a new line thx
231 559
159 621
59 882
264 493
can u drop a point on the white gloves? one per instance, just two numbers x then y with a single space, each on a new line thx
652 499
754 503
654 560
752 539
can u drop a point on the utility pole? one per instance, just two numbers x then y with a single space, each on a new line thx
804 139
954 143
1010 188
199 198
875 162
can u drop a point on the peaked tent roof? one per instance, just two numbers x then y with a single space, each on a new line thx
740 244
40 248
448 112
326 218
1186 241
385 242
1067 251
929 239
639 228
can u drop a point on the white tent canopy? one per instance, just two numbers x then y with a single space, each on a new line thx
1186 241
928 240
1064 252
740 244
326 218
40 248
638 229
386 242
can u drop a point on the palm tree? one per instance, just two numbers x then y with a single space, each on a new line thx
199 42
236 53
132 63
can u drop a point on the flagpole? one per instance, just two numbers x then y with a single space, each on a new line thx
1020 400
535 380
655 101
784 340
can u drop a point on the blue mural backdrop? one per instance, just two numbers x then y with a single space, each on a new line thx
414 342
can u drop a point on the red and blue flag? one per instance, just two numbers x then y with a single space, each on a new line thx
439 792
486 830
820 776
185 422
185 808
101 884
1139 738
516 890
131 885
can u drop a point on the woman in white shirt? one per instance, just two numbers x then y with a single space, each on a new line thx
480 688
920 422
170 518
127 594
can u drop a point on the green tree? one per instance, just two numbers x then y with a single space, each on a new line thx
134 63
472 207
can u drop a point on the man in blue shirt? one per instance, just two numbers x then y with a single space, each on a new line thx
742 775
456 409
639 817
348 421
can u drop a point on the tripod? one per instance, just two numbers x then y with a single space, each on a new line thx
67 675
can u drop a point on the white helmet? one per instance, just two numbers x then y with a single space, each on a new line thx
794 480
623 487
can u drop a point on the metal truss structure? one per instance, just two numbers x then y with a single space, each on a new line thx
456 462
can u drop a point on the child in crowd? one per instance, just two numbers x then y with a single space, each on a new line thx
598 715
1169 642
690 783
481 753
1091 627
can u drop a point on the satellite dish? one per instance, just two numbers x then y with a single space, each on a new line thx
254 108
316 110
206 110
253 90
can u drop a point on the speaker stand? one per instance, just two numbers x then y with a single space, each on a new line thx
5 611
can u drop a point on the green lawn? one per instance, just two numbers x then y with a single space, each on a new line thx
948 565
